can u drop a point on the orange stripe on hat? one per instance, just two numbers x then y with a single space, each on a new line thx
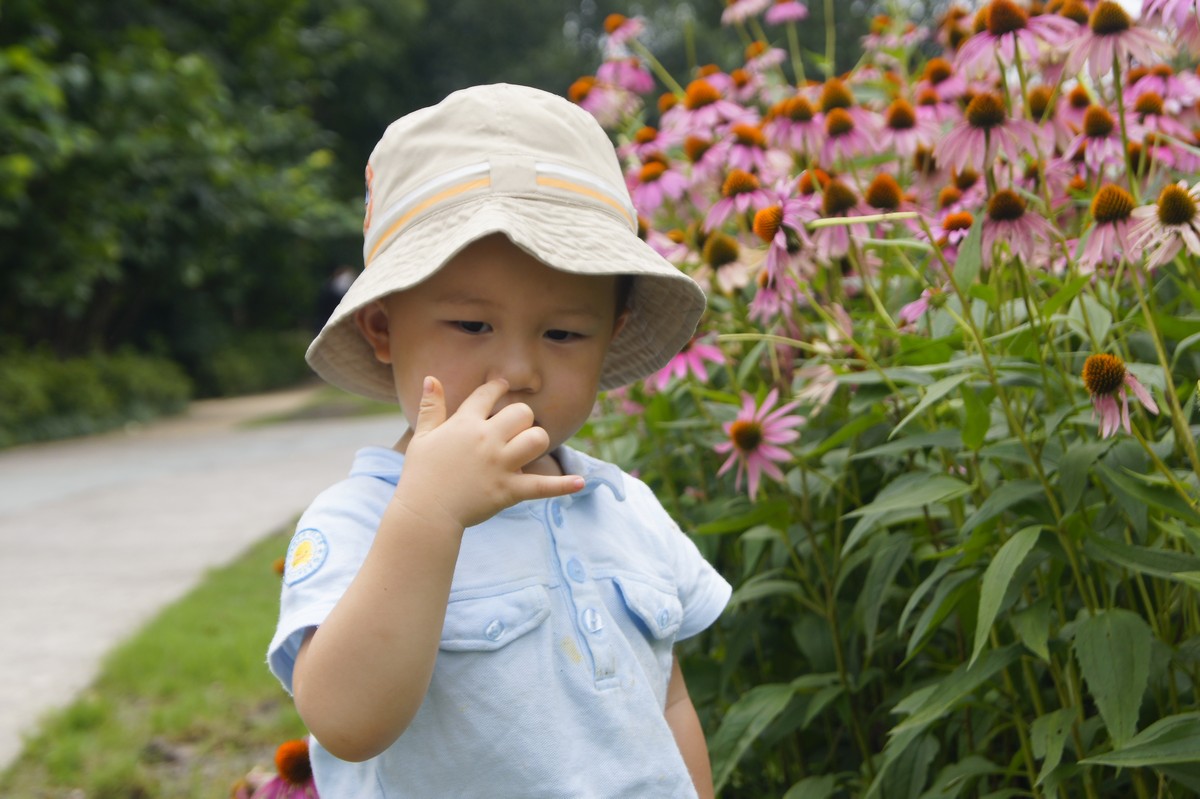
423 206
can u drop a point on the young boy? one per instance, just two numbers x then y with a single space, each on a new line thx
481 610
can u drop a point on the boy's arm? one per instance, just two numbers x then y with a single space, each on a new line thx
361 676
689 737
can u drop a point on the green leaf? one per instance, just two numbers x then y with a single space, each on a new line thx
932 394
1164 563
953 689
977 418
949 593
970 256
773 511
933 489
764 586
1032 626
1154 496
1170 740
1004 497
960 776
996 578
1048 734
1182 347
1074 467
1113 650
743 723
1098 318
821 787
940 438
885 565
1065 295
852 428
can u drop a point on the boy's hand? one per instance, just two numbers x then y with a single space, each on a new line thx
467 468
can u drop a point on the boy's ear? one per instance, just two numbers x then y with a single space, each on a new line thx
619 324
372 322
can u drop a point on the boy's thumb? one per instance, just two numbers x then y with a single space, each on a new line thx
432 411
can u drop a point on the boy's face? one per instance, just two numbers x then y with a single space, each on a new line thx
495 311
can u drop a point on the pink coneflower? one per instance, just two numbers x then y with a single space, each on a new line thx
1106 379
1007 220
1150 117
691 358
792 124
754 440
775 296
1169 225
782 11
1176 16
985 130
1099 140
294 780
953 228
647 141
843 139
782 228
761 57
1110 40
627 73
722 263
1109 241
740 192
703 108
837 95
620 29
656 181
939 77
1043 110
607 103
903 131
1009 29
745 147
913 311
833 241
741 10
1178 90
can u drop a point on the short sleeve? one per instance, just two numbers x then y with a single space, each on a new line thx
331 542
703 592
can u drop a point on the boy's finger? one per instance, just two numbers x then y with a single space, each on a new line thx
432 410
540 486
483 399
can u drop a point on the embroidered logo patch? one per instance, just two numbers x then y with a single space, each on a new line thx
305 555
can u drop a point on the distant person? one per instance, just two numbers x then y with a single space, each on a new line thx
331 293
481 610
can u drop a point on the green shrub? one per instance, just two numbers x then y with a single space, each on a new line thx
43 397
253 362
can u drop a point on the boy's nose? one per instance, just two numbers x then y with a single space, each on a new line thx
518 365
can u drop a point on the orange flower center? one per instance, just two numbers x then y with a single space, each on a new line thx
613 21
810 179
1176 206
1079 98
1103 374
695 147
798 109
652 171
1005 16
746 434
1109 19
739 181
937 70
580 89
884 193
961 220
900 115
646 135
749 135
1149 104
948 196
1097 122
838 199
720 249
1005 205
835 94
838 122
986 110
966 179
767 222
699 94
1111 204
1038 100
291 760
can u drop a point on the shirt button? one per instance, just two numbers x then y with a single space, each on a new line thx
494 630
556 514
664 618
592 620
575 570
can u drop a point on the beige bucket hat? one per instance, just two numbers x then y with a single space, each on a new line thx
525 163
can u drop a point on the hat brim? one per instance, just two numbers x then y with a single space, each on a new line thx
664 306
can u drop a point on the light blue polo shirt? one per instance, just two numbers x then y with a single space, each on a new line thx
552 674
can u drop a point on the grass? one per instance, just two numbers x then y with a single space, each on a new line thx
182 710
329 402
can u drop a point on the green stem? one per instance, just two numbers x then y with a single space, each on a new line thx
794 49
663 74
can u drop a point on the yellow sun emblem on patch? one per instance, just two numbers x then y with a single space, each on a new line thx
305 556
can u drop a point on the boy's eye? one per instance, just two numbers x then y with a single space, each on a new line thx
561 335
473 327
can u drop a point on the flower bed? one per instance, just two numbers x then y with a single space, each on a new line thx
938 424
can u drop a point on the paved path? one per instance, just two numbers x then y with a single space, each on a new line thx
98 534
